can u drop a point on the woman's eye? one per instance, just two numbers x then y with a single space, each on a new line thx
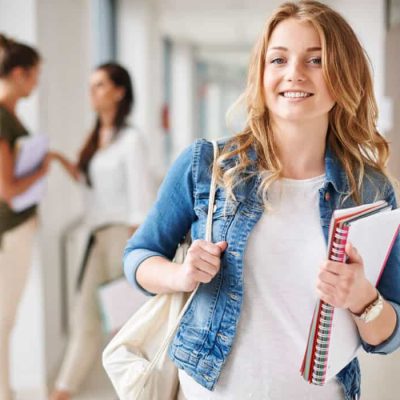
277 60
316 60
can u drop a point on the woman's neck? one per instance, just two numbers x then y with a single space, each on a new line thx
301 148
107 119
107 127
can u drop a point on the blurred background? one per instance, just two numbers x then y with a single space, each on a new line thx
188 60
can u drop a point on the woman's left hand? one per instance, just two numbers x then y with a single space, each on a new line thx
344 285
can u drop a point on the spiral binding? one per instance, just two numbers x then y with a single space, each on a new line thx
338 254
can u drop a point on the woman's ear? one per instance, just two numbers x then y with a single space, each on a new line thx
120 94
17 74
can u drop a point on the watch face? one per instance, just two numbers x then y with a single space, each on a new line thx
374 310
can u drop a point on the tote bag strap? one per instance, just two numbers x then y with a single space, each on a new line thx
211 201
211 198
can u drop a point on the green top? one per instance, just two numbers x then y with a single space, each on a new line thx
10 130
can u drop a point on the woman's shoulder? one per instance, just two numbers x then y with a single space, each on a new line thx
200 155
10 128
128 131
376 182
203 149
6 118
131 136
201 152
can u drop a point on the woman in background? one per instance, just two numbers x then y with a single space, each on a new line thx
19 72
113 166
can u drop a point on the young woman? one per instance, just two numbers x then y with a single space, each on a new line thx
113 166
19 72
310 146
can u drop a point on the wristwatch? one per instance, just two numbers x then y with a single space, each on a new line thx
372 311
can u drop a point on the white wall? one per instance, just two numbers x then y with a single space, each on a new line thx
367 17
183 97
209 22
64 38
140 50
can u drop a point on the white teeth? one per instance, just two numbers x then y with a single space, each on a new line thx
296 94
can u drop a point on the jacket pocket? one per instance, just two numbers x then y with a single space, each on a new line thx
223 214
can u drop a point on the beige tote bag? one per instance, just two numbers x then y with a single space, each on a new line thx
136 359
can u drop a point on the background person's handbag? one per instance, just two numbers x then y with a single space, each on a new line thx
136 359
117 303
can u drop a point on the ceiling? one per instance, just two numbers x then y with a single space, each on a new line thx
234 23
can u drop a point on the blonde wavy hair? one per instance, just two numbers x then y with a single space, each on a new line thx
352 132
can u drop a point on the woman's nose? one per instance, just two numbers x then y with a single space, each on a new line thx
295 72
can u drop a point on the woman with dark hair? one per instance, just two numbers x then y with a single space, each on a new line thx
113 166
19 72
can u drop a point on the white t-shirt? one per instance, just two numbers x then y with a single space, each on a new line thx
122 188
281 263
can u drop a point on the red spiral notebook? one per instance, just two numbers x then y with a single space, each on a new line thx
333 339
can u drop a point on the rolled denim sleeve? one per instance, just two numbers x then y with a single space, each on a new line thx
389 287
168 221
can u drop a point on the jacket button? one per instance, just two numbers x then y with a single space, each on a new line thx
327 196
233 296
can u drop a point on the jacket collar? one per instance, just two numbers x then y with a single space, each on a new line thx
334 173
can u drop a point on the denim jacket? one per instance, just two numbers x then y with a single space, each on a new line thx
206 333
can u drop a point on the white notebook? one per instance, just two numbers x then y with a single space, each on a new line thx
31 151
373 236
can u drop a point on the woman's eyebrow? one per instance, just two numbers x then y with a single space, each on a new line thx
286 49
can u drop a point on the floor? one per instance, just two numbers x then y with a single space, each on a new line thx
97 387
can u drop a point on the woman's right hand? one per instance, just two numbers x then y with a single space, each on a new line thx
202 263
69 166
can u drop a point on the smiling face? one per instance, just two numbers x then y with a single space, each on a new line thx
294 85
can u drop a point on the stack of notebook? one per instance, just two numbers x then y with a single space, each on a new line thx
333 339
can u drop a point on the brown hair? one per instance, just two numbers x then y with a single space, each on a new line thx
120 78
352 132
14 54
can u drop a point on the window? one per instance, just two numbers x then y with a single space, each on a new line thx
104 30
392 13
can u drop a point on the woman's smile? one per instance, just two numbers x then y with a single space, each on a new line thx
295 96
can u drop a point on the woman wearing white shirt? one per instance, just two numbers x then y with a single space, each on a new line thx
113 165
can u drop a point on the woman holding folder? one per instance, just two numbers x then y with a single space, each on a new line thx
310 146
118 190
19 72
